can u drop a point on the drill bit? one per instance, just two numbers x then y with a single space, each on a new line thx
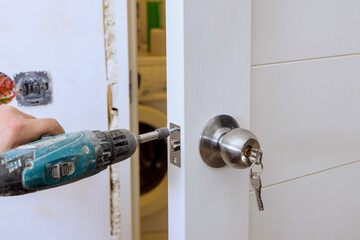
159 133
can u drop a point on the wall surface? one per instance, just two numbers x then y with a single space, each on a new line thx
65 38
305 111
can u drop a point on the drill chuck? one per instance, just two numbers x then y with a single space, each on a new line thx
63 159
112 147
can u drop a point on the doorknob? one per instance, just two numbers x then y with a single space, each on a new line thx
223 142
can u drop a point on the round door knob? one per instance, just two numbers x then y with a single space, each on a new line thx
223 142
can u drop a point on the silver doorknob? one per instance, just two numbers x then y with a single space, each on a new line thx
223 142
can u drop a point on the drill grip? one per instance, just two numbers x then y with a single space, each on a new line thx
62 159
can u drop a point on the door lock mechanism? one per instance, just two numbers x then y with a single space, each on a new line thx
223 142
175 145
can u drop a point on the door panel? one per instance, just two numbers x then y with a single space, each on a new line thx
296 29
321 206
305 115
304 108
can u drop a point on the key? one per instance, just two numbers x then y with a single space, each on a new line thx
256 156
256 184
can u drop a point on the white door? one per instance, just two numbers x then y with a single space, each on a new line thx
305 102
208 72
304 109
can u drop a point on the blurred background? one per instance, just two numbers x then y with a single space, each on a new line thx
151 64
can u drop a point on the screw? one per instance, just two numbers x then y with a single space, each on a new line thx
29 164
85 149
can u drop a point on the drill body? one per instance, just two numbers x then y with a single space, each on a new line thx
62 159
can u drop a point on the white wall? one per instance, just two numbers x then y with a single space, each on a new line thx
65 38
305 111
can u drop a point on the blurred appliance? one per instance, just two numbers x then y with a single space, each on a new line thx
153 156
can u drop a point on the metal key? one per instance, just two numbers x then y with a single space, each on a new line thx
255 156
256 183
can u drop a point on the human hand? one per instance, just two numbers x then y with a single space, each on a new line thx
18 128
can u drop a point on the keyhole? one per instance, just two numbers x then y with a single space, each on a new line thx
247 151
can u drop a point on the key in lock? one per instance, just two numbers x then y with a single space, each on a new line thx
223 142
236 147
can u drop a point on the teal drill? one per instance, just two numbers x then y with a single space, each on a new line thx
66 158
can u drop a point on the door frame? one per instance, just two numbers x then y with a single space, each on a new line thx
121 54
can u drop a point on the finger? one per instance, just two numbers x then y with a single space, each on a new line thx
45 126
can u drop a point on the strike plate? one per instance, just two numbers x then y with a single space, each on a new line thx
175 145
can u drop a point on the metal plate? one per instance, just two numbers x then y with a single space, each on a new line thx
175 145
33 88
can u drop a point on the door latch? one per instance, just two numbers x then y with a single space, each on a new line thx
175 145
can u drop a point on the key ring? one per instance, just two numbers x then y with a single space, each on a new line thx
258 172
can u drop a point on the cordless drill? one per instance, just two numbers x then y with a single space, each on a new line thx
66 158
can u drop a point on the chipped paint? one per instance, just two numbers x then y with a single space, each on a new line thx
112 78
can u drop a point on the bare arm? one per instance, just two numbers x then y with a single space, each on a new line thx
18 128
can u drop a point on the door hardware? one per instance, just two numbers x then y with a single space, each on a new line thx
175 145
223 142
